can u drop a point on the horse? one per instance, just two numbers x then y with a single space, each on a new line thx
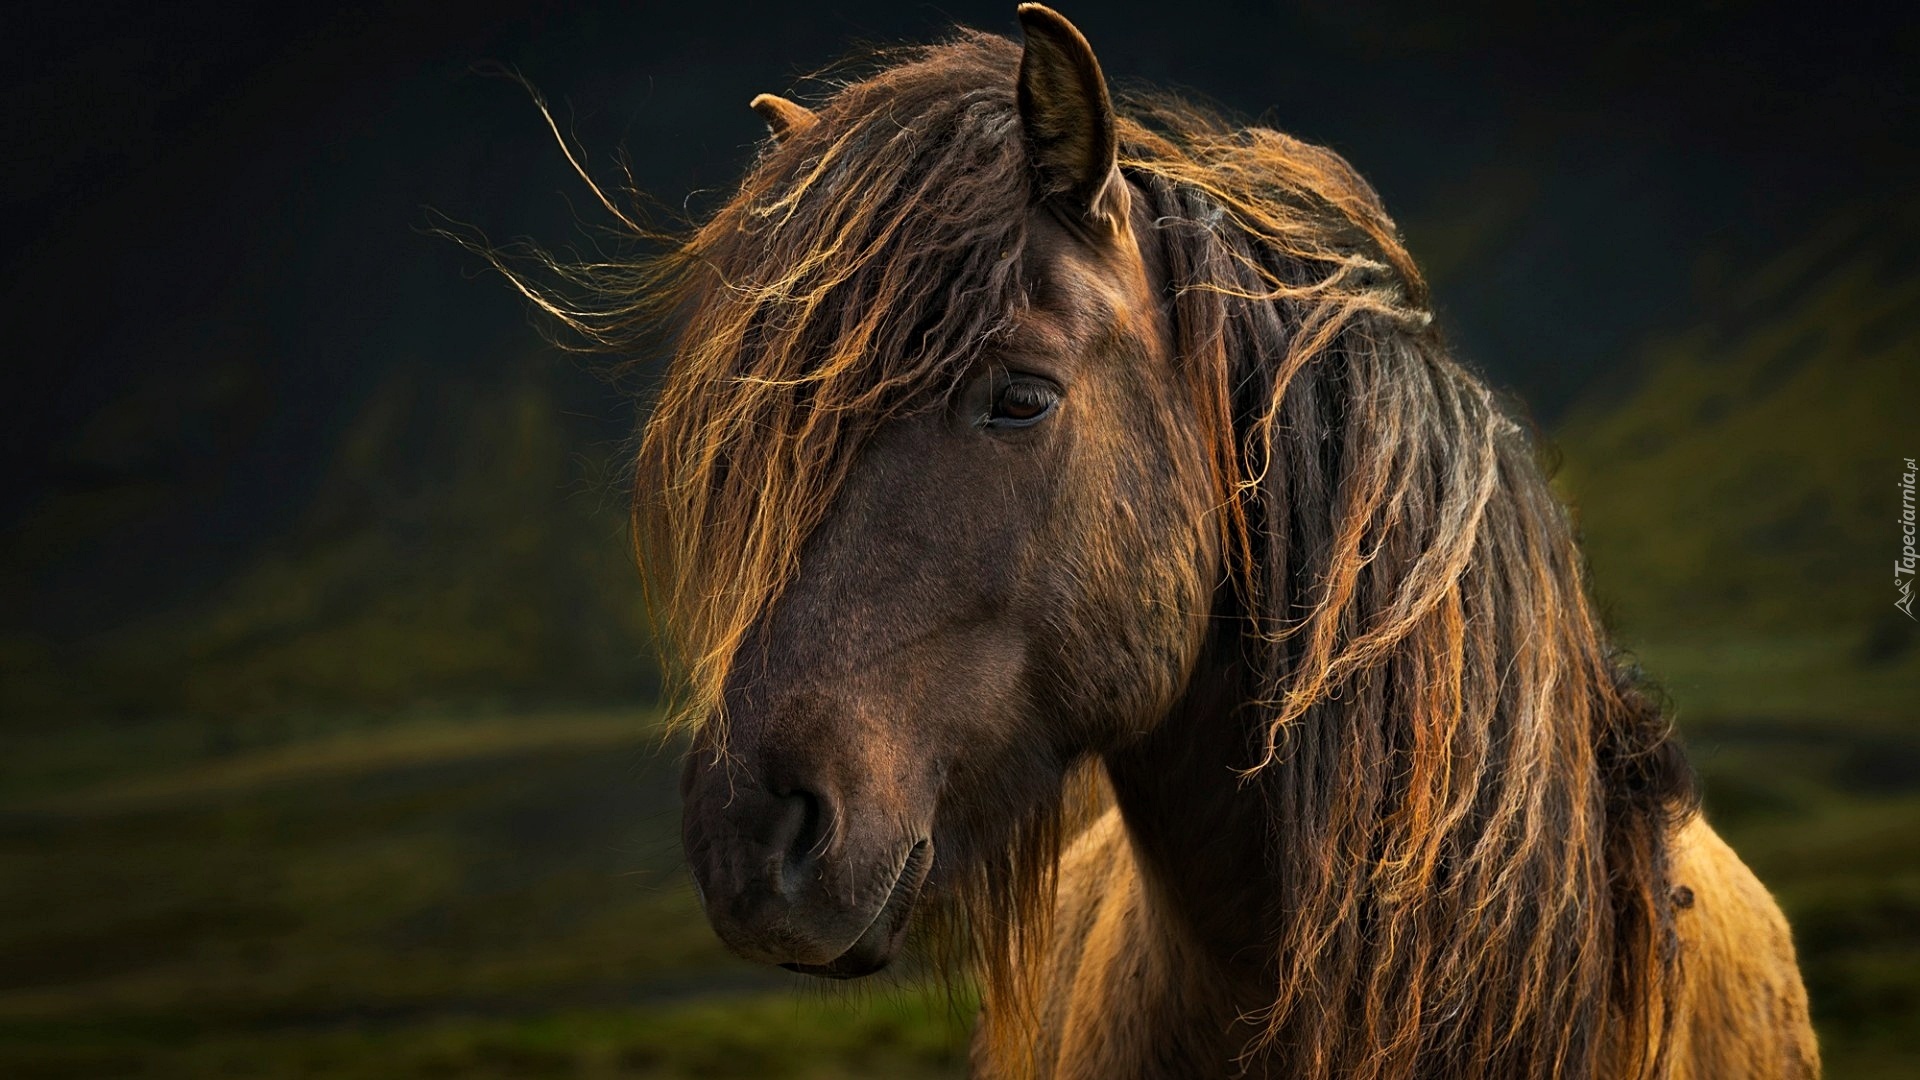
1073 538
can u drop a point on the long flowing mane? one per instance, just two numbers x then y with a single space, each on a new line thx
1469 797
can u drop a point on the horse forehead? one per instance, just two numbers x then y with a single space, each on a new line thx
1081 294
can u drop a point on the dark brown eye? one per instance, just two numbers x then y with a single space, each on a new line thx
1021 403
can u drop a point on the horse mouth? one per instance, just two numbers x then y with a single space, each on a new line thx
880 941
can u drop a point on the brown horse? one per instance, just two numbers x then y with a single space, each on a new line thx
1019 455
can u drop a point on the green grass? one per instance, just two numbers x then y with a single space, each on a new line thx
906 1035
426 897
501 895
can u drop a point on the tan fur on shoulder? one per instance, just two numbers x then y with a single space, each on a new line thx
1741 1011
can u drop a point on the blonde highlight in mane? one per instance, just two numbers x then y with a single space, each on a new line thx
1469 799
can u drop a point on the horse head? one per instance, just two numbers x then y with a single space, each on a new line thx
1014 573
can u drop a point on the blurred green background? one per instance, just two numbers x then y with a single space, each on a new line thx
329 712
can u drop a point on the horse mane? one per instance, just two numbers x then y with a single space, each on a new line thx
1469 796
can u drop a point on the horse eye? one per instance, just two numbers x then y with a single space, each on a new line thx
1022 403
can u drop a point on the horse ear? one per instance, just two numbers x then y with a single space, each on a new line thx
1068 117
783 117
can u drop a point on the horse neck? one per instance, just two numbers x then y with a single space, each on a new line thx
1200 836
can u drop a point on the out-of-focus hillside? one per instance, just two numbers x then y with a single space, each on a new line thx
459 549
1736 489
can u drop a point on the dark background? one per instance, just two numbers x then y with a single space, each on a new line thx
291 480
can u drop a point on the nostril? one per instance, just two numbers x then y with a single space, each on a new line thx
801 835
809 841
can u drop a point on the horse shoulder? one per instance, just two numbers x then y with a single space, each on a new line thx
1741 1009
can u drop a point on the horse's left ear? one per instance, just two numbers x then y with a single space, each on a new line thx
1068 116
783 117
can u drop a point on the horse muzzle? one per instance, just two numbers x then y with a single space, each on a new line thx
788 879
880 942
